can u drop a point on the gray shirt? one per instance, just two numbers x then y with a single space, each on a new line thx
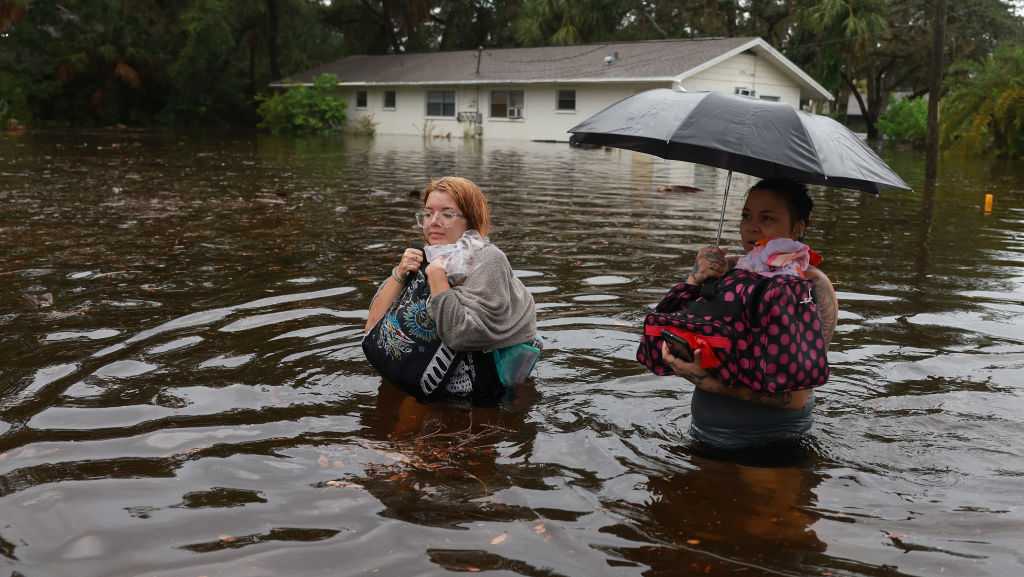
490 310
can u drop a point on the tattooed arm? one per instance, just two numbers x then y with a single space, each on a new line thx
825 299
708 383
711 262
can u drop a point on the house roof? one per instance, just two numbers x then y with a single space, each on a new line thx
656 60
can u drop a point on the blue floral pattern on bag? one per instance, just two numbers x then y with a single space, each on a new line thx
419 322
391 339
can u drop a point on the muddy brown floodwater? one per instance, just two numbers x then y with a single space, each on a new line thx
182 390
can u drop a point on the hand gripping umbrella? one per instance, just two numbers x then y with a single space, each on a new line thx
756 137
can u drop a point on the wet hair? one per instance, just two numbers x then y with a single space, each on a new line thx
469 199
793 193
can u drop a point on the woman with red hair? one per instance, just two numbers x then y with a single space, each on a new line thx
479 322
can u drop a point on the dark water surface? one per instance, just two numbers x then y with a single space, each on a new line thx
182 390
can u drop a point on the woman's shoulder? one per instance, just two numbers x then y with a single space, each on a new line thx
491 255
816 276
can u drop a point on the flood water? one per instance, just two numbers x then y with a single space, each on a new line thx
183 392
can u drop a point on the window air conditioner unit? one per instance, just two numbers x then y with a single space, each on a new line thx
515 112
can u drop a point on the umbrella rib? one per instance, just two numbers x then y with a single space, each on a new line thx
821 165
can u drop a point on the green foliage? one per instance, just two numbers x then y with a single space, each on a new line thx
563 22
984 109
99 62
304 109
87 62
880 46
905 120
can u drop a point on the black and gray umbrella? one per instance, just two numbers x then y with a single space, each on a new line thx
756 137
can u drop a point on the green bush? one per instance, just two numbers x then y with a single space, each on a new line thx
905 120
314 108
984 110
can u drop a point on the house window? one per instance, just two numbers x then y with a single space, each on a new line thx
567 100
507 104
360 99
441 103
742 91
389 99
771 98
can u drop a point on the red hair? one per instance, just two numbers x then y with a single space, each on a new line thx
468 198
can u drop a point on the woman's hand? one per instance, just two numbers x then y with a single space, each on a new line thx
690 371
436 268
707 383
711 263
411 261
437 277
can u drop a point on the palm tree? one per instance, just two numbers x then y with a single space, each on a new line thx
567 22
859 27
984 110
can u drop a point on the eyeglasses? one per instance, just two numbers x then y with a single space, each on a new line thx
444 217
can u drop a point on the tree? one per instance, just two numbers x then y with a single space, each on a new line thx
870 48
316 108
984 110
84 62
140 61
381 26
544 22
859 25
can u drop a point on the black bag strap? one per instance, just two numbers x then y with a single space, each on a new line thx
710 305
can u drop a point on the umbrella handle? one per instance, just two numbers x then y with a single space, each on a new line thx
725 200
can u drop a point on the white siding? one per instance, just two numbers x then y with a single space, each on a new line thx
541 119
747 71
409 116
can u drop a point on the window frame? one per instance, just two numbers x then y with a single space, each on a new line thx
394 100
443 103
508 92
366 99
558 101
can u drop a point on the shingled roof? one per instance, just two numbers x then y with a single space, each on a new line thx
657 60
648 60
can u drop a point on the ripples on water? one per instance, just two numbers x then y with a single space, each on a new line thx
182 390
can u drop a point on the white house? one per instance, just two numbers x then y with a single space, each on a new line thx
539 93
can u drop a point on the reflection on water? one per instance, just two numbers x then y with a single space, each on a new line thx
183 392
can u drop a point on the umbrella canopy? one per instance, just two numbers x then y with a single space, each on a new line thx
756 137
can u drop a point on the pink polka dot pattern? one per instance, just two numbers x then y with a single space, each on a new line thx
774 337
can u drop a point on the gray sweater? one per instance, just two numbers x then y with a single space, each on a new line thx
490 310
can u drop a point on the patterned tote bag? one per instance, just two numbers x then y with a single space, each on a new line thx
405 348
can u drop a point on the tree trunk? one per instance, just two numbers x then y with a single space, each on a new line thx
272 33
842 103
875 104
931 168
860 103
730 18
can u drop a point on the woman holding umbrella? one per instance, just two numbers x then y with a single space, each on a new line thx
773 339
757 388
